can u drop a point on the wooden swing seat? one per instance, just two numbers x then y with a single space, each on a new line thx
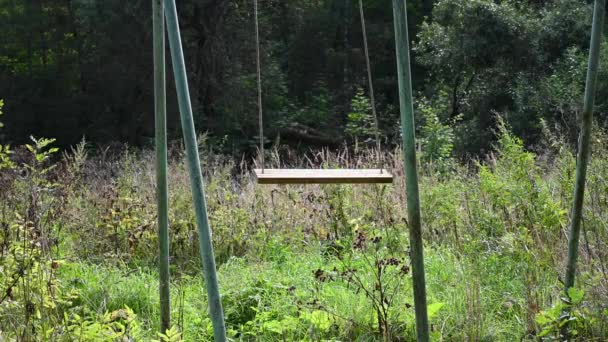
323 176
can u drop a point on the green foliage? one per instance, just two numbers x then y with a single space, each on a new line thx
316 111
360 124
514 186
570 310
171 335
117 325
5 150
299 262
498 56
470 34
71 60
30 292
373 267
557 96
436 138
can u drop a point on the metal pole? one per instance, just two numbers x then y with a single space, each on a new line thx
584 141
196 179
409 153
160 106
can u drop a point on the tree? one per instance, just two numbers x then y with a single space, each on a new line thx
488 54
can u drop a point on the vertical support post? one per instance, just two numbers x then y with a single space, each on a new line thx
196 178
162 198
411 169
584 141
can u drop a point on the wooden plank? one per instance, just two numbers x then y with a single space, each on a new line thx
323 176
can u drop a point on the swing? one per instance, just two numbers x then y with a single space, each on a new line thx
319 176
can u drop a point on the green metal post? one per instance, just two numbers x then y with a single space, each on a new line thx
411 169
160 106
196 178
584 141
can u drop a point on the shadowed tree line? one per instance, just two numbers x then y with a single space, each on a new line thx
73 68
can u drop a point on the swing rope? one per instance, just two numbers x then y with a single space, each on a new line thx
259 75
380 160
371 87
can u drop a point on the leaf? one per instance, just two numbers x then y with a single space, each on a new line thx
274 326
542 319
432 309
319 319
171 335
576 295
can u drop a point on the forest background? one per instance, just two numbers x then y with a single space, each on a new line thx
83 68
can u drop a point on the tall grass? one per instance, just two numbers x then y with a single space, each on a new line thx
494 232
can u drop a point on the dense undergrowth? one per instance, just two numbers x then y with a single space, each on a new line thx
78 248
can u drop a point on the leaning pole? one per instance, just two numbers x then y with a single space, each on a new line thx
411 170
160 110
196 178
584 141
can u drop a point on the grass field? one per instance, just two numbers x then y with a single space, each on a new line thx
78 249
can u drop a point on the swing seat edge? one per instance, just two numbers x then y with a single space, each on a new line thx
323 176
